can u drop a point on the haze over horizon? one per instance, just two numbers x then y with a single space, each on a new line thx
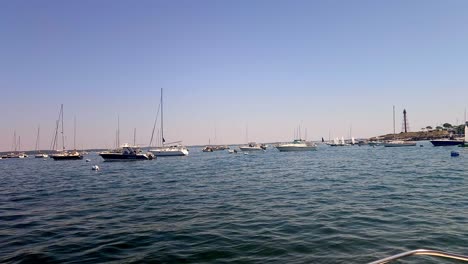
270 65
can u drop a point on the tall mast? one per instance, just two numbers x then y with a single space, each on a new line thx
37 138
118 131
74 133
19 143
55 140
14 141
162 119
394 121
63 136
465 114
134 137
247 133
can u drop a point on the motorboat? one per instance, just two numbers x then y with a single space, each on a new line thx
211 148
252 146
41 156
126 153
208 149
15 155
297 145
446 142
219 147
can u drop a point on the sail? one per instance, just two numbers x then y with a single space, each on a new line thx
466 132
342 140
353 141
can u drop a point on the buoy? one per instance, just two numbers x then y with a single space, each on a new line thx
454 154
88 160
95 168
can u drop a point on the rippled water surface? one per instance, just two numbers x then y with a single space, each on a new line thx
334 205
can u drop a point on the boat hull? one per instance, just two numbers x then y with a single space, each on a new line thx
442 143
169 153
251 148
121 157
70 157
291 149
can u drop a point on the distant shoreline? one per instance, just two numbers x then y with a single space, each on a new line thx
414 136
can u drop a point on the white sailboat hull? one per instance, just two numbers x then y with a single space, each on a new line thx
169 152
295 148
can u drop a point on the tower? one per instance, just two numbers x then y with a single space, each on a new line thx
405 126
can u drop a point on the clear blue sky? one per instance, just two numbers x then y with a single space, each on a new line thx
273 65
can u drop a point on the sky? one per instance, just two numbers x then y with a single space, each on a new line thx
229 68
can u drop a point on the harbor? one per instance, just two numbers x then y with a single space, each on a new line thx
219 132
284 206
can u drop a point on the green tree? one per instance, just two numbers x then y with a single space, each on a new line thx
447 125
429 128
460 129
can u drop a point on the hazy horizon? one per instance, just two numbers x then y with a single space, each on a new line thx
270 66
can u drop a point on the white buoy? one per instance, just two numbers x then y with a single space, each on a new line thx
95 168
88 160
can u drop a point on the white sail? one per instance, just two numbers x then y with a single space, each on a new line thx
342 140
335 141
353 141
466 132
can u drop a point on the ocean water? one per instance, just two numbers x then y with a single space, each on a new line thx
333 205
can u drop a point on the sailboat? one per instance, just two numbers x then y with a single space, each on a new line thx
66 155
398 143
39 154
339 142
251 146
16 153
168 149
465 142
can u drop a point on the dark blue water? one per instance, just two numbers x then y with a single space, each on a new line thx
335 205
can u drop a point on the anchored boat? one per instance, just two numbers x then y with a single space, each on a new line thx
252 146
297 145
465 142
168 149
399 143
126 153
64 154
